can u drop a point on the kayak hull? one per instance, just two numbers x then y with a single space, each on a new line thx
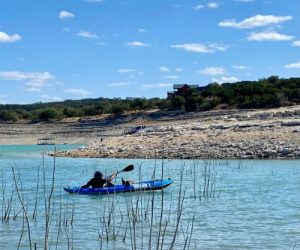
140 186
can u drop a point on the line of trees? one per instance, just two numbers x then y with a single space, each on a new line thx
264 93
77 108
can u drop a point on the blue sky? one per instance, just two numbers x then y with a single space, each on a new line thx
73 49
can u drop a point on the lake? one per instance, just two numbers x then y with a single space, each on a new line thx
216 204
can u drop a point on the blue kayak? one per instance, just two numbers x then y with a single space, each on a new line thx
140 186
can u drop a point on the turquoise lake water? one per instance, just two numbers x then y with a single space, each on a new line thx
249 204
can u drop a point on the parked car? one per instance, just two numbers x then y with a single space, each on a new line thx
134 130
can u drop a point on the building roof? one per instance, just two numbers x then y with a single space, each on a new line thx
179 86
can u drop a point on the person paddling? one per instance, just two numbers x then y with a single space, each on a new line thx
99 182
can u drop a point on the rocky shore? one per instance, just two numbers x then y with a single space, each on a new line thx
239 134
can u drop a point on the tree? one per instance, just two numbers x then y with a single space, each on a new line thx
49 114
191 103
177 102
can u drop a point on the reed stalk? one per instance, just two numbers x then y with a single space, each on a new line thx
25 213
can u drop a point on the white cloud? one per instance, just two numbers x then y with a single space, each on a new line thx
34 81
65 14
213 5
33 89
171 77
269 36
87 34
224 79
219 47
245 1
255 21
25 76
5 38
101 43
51 98
296 43
293 66
124 71
200 48
199 7
156 86
213 71
240 67
77 91
178 69
119 84
137 44
164 69
94 1
142 30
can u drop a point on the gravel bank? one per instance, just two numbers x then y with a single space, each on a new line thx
263 134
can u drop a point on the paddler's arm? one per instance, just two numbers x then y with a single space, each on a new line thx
111 178
87 185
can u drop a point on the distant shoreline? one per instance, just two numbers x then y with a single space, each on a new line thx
221 134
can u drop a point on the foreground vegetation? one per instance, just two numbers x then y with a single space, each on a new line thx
45 218
264 93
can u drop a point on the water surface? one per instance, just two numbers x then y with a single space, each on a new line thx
250 204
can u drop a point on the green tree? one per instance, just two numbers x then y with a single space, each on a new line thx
49 114
177 102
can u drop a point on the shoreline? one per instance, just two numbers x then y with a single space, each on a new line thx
220 134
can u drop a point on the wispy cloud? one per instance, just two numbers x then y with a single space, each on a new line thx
269 36
171 77
65 14
200 48
213 71
82 92
225 79
119 84
5 38
164 69
101 44
210 5
50 98
137 44
199 7
293 66
94 1
125 71
87 34
296 43
240 67
213 5
255 21
34 81
143 30
245 1
156 86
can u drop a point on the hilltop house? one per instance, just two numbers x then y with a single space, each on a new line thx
181 89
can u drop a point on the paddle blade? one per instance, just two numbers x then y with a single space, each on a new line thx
128 168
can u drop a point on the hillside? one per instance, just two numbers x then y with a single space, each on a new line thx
265 93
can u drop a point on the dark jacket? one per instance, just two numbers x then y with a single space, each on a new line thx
95 183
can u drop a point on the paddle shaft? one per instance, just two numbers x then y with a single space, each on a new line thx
126 169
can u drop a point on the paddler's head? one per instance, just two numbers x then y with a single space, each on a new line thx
98 175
